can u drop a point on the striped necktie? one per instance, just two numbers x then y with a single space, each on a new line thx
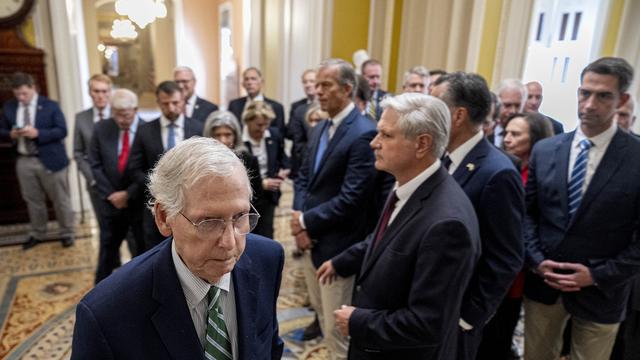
578 175
371 109
218 344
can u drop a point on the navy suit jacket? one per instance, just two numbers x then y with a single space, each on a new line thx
103 157
140 312
52 129
495 189
148 147
236 106
202 109
410 285
276 160
602 234
332 199
298 131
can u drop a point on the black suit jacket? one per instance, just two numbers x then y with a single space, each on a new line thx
602 234
410 286
557 125
276 160
298 130
140 311
202 109
495 189
236 106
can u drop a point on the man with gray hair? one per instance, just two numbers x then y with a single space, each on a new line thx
416 80
209 290
332 192
414 268
119 206
195 107
512 95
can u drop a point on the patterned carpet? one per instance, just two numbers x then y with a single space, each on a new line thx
40 287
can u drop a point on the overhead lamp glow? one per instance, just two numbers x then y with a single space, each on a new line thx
123 29
141 12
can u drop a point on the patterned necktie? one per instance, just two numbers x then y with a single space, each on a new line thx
218 344
371 109
100 114
124 152
386 216
578 175
322 146
30 145
171 136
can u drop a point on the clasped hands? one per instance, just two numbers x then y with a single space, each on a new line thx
570 276
28 131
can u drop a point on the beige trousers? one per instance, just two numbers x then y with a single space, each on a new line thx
544 326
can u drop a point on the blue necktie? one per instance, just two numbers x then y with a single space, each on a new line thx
171 136
578 175
322 146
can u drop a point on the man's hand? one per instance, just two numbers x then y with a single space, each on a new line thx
326 273
28 132
303 241
296 227
342 319
119 199
271 184
566 277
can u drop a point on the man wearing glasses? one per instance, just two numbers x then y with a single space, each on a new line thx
209 290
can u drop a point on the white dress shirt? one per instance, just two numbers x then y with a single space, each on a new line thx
106 113
405 191
463 150
20 121
179 129
258 149
195 292
191 104
498 135
596 152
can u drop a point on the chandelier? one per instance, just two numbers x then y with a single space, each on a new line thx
141 12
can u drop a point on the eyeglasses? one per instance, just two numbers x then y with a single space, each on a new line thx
214 228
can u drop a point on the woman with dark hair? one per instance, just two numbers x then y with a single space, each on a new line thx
522 131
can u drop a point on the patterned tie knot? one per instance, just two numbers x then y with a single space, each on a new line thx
585 144
213 296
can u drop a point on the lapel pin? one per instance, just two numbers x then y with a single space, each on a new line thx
471 166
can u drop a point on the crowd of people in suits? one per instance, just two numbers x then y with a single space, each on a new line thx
426 221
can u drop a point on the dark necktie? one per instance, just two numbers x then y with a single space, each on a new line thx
171 136
30 145
386 216
124 152
100 114
322 145
446 161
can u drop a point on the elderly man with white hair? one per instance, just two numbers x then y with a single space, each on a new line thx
209 290
413 269
512 95
120 198
416 80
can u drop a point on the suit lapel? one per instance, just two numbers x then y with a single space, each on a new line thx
112 151
156 132
408 211
172 319
561 167
314 151
341 130
611 161
271 156
38 117
471 162
245 283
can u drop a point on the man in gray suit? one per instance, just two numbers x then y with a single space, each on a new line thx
100 92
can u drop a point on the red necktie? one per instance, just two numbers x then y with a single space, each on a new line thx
124 153
386 216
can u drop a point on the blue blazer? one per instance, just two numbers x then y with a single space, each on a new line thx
495 189
52 129
602 234
410 286
332 199
140 312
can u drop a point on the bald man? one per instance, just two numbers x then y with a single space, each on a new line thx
534 100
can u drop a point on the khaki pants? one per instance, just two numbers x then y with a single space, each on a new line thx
325 299
544 326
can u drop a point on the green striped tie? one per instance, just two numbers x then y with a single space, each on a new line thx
218 344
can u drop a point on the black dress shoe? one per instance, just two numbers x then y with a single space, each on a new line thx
67 242
312 331
31 242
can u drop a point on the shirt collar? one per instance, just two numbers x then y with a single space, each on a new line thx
247 138
405 191
192 99
195 289
32 103
336 120
106 112
165 122
601 140
258 97
461 152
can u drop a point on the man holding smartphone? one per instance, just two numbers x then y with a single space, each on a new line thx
37 126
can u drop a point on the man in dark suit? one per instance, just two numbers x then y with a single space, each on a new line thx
583 214
297 128
534 100
120 198
332 190
37 126
210 290
512 95
252 83
372 72
156 137
196 108
625 116
100 93
413 269
494 187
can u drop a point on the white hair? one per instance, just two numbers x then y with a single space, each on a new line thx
182 166
124 99
417 70
422 114
184 68
513 84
